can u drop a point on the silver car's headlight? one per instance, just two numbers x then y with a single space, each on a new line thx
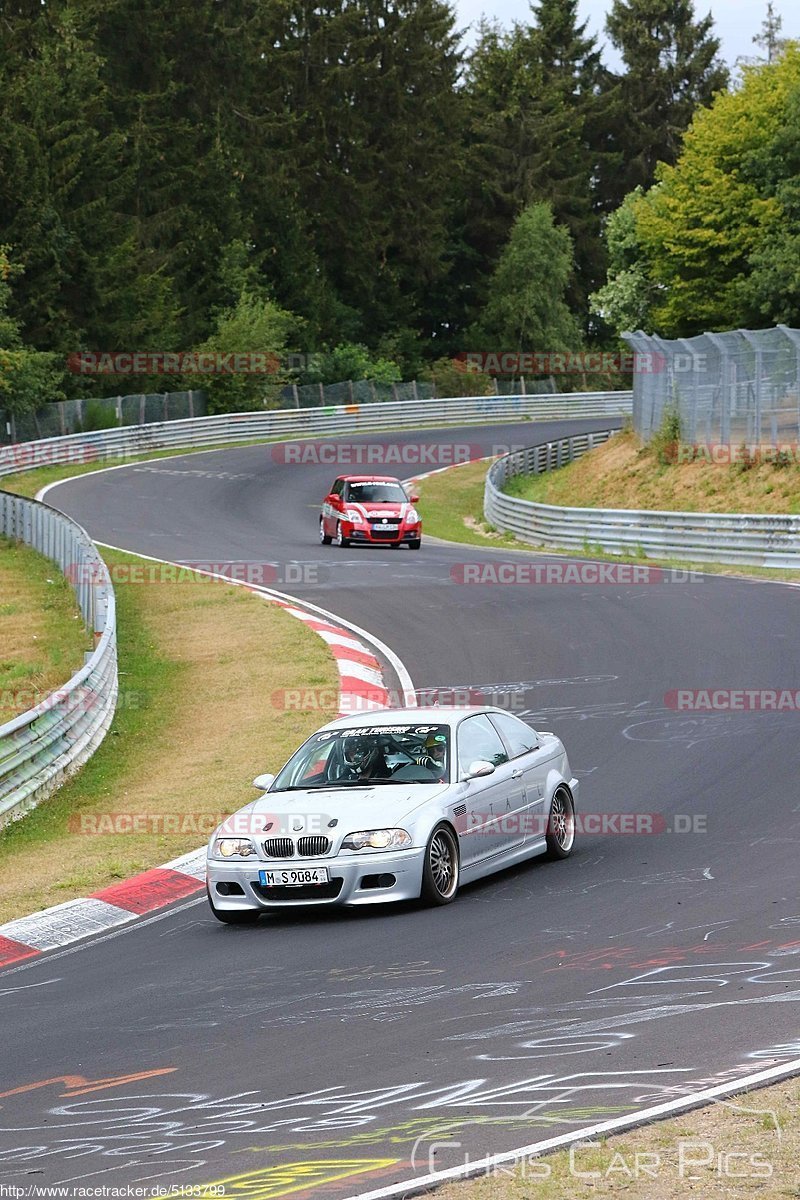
377 839
232 847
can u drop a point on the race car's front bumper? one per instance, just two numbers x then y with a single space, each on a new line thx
360 878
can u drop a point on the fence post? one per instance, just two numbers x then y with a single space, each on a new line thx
718 340
295 395
350 391
142 408
321 395
414 390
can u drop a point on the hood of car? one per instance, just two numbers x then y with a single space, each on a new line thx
383 805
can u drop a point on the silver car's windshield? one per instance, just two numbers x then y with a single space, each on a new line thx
374 755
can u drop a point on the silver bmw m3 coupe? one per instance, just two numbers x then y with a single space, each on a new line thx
395 804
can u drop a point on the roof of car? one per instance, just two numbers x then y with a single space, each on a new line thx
369 478
445 714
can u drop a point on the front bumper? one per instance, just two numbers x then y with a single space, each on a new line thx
365 534
366 878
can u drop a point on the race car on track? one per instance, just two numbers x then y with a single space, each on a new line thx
396 804
372 510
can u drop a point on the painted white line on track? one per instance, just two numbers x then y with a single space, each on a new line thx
641 1117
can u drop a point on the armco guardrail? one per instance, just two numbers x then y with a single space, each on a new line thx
733 538
200 432
41 747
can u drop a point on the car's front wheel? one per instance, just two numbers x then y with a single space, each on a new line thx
234 916
338 539
323 536
415 543
440 873
560 835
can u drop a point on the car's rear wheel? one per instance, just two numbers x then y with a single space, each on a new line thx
440 873
323 536
338 539
560 835
234 916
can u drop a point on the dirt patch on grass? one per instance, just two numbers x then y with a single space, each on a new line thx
624 474
745 1147
202 665
42 635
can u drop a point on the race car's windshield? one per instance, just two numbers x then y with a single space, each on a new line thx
375 493
370 756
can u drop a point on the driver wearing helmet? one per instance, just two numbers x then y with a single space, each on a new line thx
364 759
434 754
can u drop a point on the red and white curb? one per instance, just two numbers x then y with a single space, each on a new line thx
361 684
361 688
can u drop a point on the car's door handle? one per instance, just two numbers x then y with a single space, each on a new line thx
516 774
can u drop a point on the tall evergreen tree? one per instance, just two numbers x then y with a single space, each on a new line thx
61 188
537 97
672 66
376 150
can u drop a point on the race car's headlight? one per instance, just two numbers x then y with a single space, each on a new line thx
354 517
377 839
234 848
412 516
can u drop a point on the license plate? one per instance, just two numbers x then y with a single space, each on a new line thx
293 877
386 528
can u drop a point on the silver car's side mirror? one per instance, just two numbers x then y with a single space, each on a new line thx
478 769
262 782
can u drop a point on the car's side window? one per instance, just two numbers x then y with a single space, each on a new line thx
477 738
519 737
338 487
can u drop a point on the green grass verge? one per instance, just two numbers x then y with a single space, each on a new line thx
202 666
42 635
451 506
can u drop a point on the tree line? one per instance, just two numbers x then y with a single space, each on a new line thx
345 178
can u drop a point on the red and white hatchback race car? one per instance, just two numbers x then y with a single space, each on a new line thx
372 510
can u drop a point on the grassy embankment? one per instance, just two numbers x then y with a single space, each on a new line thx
201 668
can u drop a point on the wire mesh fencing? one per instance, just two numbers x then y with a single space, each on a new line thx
729 389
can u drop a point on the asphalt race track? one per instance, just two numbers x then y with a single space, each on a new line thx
333 1051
